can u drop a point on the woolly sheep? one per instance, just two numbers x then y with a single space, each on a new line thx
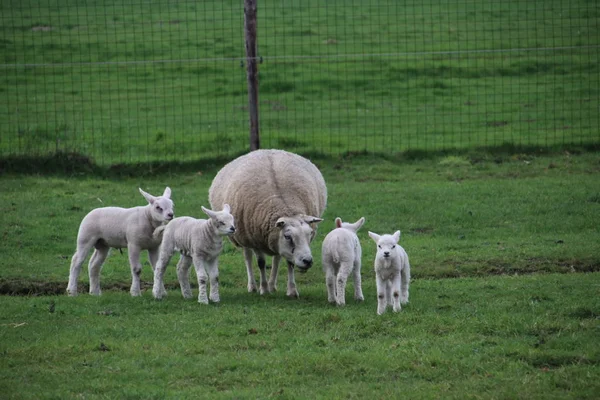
199 241
341 254
277 200
115 227
392 272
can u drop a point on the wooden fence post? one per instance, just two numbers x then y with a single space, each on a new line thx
250 11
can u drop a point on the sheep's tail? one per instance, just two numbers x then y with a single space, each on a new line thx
335 254
158 232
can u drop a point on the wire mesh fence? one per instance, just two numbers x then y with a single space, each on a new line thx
137 81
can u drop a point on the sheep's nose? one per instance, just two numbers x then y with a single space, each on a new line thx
307 262
170 215
386 253
232 229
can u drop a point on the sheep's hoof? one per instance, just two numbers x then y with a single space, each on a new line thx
203 301
272 288
251 288
293 293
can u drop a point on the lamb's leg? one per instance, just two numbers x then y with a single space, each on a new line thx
202 278
395 292
381 294
248 261
136 269
264 287
95 266
274 272
76 262
341 279
405 284
330 283
213 276
183 275
159 267
358 294
292 291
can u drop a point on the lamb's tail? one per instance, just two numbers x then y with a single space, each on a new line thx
335 255
158 232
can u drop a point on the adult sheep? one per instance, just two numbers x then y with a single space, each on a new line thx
277 200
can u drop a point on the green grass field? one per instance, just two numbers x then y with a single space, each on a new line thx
163 81
504 301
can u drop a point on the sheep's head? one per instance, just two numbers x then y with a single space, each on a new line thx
222 220
295 235
161 207
387 245
346 225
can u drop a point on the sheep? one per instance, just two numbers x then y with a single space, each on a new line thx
199 241
115 227
277 200
341 256
392 272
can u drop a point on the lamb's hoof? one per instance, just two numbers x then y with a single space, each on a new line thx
251 288
215 299
203 301
134 293
359 298
71 293
293 293
272 288
263 290
96 293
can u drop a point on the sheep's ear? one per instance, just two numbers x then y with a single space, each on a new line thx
208 212
397 236
280 223
374 236
358 224
338 222
312 220
147 196
167 192
226 208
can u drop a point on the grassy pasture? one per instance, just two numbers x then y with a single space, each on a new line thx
163 81
517 232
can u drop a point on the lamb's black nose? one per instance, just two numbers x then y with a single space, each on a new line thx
307 262
170 215
386 253
232 229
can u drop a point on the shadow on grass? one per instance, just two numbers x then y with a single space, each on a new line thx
76 164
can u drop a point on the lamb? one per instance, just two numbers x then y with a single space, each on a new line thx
199 241
341 256
277 200
115 227
392 272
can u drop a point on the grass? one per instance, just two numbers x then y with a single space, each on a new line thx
517 232
126 83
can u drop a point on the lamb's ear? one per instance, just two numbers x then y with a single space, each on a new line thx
147 196
167 193
208 212
226 208
312 220
358 224
280 223
397 236
374 236
338 222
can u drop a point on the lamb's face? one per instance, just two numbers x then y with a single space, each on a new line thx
387 245
295 235
222 220
162 207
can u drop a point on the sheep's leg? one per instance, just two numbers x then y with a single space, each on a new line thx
330 283
183 275
95 266
381 294
202 278
395 285
274 272
136 269
213 276
292 291
76 262
264 287
405 284
358 294
341 279
159 267
248 261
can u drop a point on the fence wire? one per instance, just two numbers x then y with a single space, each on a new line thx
138 81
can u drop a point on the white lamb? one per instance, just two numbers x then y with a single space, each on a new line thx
341 254
116 227
392 272
199 241
277 200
